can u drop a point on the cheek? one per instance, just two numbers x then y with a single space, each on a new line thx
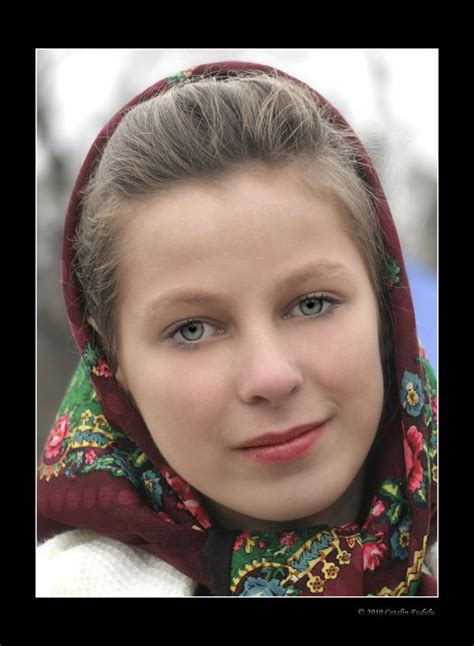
185 396
347 360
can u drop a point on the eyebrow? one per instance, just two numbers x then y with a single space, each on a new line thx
321 269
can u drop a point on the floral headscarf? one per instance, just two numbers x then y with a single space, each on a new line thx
100 469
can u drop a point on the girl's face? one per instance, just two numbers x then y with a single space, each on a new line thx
284 333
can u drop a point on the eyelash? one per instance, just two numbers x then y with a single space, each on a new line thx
333 303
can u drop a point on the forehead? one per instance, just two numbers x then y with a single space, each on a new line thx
252 223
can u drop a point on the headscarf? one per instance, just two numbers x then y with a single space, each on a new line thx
101 470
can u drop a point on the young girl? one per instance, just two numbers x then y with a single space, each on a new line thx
253 414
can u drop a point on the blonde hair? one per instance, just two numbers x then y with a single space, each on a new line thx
204 129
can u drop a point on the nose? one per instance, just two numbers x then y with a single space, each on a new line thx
267 371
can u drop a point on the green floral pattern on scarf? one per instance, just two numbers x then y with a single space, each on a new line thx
82 441
269 565
392 270
95 362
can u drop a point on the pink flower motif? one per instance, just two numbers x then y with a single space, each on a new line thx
56 436
288 538
101 369
261 544
378 509
413 444
188 495
176 482
240 540
374 552
90 456
198 511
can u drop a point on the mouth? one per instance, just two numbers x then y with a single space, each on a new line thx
291 444
279 437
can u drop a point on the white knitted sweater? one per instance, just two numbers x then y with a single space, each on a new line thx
79 563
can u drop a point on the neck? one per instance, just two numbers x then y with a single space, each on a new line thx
343 511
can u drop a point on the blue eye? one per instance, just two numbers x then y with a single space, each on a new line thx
191 330
316 305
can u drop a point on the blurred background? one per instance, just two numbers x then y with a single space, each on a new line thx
389 96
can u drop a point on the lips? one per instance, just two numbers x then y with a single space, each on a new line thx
271 439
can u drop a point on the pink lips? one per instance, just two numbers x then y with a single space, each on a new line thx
272 448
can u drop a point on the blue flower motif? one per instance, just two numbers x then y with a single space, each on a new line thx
411 394
91 438
319 543
257 587
153 487
399 541
121 461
